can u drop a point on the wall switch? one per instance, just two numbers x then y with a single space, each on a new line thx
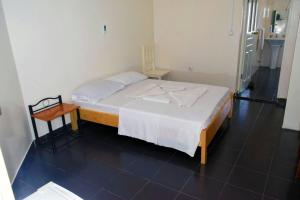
104 29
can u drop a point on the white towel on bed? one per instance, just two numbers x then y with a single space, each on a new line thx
158 99
188 98
142 91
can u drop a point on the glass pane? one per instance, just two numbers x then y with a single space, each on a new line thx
253 6
249 15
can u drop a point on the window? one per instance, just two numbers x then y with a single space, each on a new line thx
252 15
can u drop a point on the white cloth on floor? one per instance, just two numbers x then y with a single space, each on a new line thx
52 191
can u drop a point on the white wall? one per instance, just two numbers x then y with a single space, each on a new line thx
59 44
6 192
195 33
14 132
289 47
292 112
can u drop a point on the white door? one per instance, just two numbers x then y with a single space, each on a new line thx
248 45
249 60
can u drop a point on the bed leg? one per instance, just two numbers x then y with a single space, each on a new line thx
230 114
203 155
74 122
203 148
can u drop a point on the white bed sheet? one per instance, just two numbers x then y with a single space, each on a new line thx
202 111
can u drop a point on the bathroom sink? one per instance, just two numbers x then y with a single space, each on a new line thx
275 44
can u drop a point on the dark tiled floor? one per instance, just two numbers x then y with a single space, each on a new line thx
253 159
265 84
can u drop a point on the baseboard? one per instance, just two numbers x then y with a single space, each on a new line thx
13 180
281 102
290 126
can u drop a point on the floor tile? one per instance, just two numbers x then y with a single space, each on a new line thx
114 156
231 193
145 166
39 174
226 155
125 185
78 187
22 189
265 81
283 189
105 195
185 197
97 174
154 191
285 171
203 188
255 160
185 161
159 152
269 198
172 176
248 179
216 170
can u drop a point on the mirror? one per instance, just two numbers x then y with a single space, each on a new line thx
279 21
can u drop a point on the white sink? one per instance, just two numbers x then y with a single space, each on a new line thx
275 44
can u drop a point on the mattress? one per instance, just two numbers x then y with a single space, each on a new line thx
204 109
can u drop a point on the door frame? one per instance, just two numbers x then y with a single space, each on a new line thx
294 13
241 57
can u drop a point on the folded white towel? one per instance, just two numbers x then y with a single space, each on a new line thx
157 99
141 92
187 98
154 92
172 87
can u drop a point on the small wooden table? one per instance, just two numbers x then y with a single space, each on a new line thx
157 73
54 112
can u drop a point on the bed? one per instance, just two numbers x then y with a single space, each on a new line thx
208 112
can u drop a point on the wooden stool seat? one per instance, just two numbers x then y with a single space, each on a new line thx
55 112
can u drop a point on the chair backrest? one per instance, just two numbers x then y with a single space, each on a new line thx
44 104
148 56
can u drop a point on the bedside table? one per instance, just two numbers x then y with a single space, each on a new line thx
157 73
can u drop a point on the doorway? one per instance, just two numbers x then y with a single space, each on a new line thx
262 44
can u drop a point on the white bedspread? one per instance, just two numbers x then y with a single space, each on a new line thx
170 125
159 129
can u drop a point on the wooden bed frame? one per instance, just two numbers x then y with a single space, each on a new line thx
207 134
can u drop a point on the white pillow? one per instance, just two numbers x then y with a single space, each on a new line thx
94 91
128 78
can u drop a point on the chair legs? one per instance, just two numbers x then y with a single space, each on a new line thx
298 171
52 136
298 167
